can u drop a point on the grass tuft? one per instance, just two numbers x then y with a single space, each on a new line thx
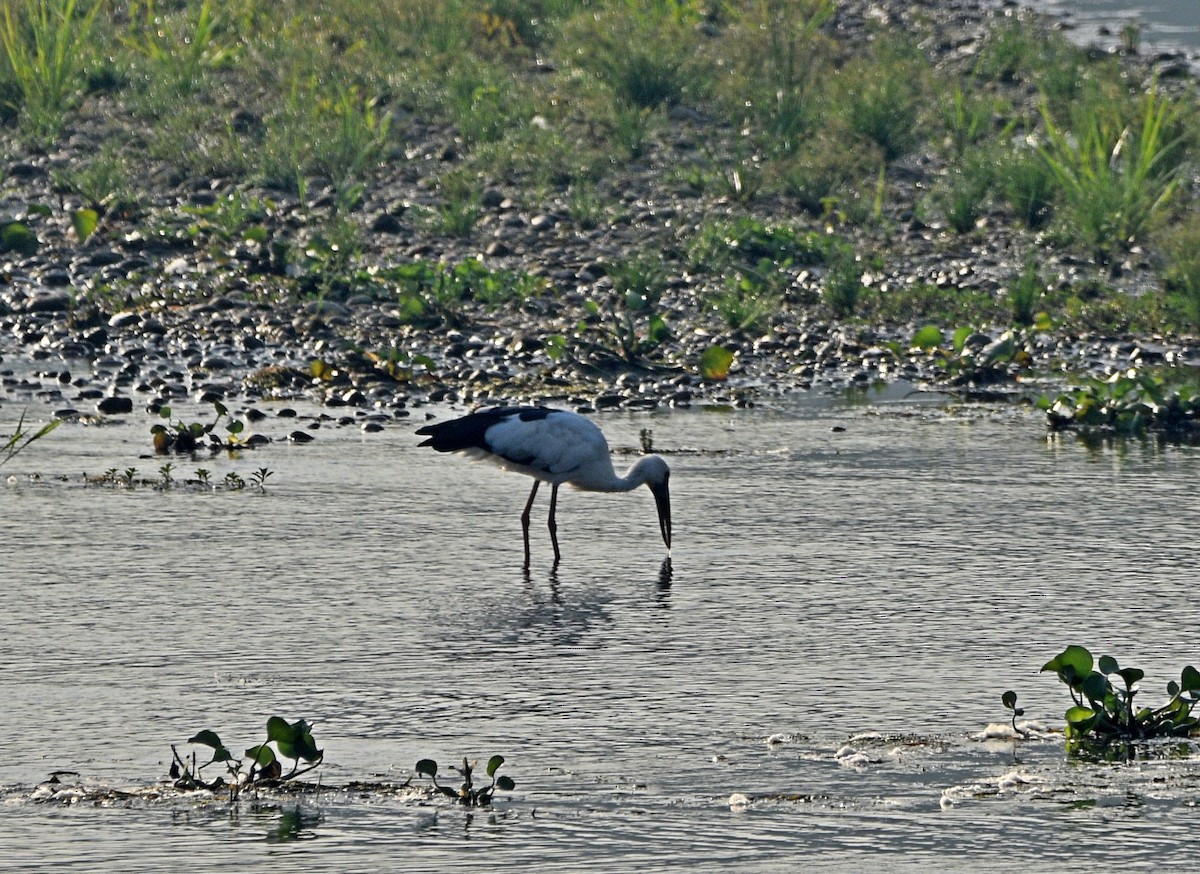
45 43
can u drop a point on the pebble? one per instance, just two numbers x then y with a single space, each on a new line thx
114 406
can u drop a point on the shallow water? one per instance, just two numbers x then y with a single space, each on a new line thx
1163 25
840 569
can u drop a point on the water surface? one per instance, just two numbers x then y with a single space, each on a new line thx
1163 25
870 574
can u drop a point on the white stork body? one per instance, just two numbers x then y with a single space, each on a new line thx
553 446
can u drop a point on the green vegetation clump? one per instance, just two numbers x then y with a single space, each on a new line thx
1126 404
468 794
261 764
1103 716
186 437
429 293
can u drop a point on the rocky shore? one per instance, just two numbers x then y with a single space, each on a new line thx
157 305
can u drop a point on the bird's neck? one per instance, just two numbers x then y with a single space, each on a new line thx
602 477
634 477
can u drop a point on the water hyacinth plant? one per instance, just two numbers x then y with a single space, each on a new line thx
1103 712
1128 403
468 794
286 741
180 436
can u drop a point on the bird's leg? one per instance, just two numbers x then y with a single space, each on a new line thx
551 524
525 518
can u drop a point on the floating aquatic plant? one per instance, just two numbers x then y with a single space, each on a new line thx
1127 403
180 436
1103 712
468 793
285 741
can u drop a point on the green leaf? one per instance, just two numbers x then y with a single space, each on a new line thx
235 427
1082 719
960 338
658 332
164 412
1072 665
929 337
15 237
493 763
411 308
206 738
1096 686
556 345
306 748
1009 699
261 754
221 754
294 740
506 783
427 767
1131 676
1107 665
715 362
1043 322
84 222
1190 681
278 729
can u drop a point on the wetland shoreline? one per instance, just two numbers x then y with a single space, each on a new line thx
170 297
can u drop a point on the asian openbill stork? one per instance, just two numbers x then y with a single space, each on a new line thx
553 446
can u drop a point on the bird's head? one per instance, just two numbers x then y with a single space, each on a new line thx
653 471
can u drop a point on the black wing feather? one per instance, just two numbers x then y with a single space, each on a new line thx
469 432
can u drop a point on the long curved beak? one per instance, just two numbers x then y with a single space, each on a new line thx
662 497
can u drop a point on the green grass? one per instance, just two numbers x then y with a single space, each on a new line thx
922 303
179 49
964 197
1181 269
102 181
1027 184
745 304
880 97
969 118
843 284
779 80
1116 172
645 60
1025 294
46 44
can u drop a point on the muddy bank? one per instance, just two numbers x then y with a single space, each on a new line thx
160 302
